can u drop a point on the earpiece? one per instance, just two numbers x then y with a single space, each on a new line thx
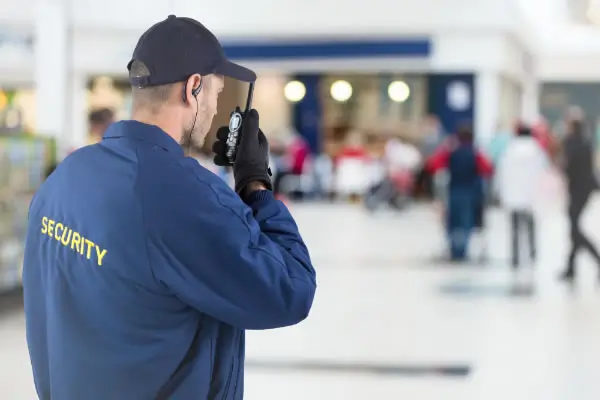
195 91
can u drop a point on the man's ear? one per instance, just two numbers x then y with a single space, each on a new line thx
195 82
191 88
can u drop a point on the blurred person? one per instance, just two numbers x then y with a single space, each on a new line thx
542 133
399 155
99 121
353 147
395 184
571 114
579 173
298 152
433 136
351 164
496 147
291 160
50 169
466 167
518 174
277 148
142 269
325 167
323 176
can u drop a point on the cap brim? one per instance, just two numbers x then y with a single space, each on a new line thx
235 71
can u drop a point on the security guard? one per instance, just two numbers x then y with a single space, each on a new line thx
142 269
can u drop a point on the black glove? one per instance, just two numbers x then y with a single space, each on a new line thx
252 157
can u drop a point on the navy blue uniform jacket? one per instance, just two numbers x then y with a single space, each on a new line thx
132 250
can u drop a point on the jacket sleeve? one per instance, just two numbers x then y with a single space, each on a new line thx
244 265
484 166
438 160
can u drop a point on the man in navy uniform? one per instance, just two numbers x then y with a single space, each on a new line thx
142 269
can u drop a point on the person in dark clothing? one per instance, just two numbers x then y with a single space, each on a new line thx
466 167
581 182
50 169
99 121
142 269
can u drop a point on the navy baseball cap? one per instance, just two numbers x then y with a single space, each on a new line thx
176 48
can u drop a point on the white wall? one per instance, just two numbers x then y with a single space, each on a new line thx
19 71
16 12
286 17
571 54
566 50
494 52
104 39
294 17
107 52
16 54
574 68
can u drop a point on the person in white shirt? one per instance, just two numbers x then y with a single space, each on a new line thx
517 176
401 156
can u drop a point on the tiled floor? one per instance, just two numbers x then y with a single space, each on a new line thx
380 303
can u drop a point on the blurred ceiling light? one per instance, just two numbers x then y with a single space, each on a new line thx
341 91
294 91
399 91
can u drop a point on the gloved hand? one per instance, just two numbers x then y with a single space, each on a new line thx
252 157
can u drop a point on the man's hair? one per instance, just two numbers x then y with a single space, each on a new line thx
577 127
524 130
102 116
152 97
464 132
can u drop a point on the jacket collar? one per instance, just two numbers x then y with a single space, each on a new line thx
147 133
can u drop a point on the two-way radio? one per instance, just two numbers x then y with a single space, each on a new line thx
236 121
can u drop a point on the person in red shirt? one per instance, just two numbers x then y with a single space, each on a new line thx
467 167
354 148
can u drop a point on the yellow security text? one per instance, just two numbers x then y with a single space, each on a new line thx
73 240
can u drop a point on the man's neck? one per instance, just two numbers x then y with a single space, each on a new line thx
158 120
96 133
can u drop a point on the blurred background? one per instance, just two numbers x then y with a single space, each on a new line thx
362 104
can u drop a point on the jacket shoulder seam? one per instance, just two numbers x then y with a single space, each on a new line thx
140 202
